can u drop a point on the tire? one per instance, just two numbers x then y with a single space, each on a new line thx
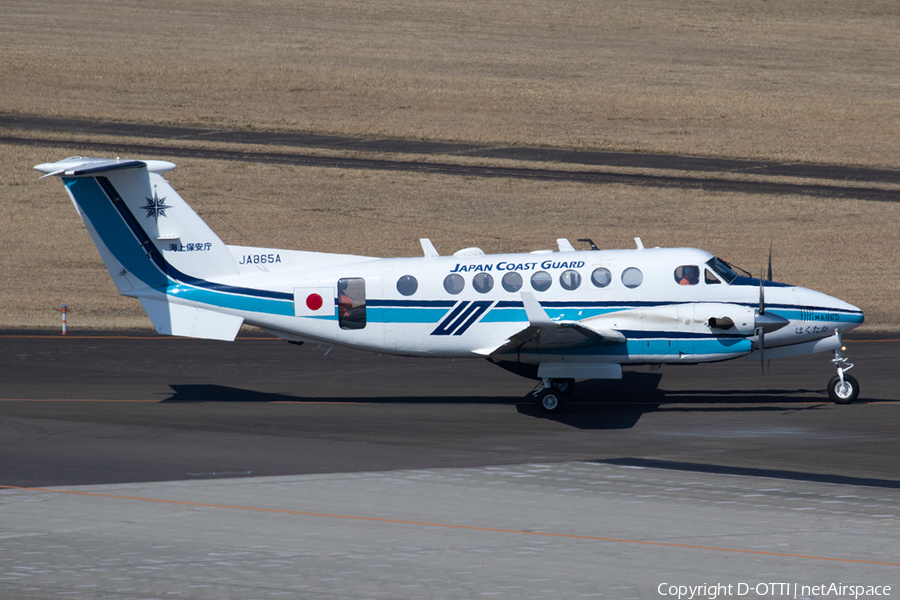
549 401
843 394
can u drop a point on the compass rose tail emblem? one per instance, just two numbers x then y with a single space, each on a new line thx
156 207
148 234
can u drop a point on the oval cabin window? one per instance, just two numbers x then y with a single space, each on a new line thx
632 277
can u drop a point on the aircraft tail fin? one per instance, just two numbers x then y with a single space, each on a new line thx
148 237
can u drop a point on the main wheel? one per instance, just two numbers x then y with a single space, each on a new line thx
565 386
843 393
549 400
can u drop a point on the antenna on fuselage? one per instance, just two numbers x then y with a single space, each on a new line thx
591 242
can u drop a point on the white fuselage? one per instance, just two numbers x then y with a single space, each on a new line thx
664 320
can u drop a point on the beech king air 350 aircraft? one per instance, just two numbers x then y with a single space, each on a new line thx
550 316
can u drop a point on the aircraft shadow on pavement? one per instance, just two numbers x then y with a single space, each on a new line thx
594 405
219 393
619 404
650 463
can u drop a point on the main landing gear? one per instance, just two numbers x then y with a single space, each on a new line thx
551 393
843 388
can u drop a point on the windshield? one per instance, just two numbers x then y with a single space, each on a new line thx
722 269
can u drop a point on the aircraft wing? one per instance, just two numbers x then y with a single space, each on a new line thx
545 333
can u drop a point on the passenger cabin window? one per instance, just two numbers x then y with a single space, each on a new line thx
512 281
632 277
687 275
483 283
601 277
407 285
541 281
352 303
710 278
454 284
570 279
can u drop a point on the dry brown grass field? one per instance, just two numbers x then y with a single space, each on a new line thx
803 80
800 81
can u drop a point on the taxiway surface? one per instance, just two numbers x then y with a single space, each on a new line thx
136 466
112 408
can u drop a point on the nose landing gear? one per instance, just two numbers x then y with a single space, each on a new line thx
843 388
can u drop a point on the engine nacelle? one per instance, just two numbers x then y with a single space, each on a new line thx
690 317
727 318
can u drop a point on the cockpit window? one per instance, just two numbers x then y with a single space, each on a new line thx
687 275
721 269
709 277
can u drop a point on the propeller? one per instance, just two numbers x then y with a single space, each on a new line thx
766 322
760 317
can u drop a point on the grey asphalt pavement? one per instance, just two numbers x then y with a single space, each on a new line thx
119 407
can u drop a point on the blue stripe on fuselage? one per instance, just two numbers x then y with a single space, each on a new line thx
661 346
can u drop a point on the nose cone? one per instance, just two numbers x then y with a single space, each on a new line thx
823 309
855 316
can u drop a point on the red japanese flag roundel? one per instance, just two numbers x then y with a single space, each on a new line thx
313 302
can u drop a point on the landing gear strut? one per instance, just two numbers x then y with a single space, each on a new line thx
843 388
550 394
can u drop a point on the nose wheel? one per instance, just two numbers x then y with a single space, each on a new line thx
843 392
843 388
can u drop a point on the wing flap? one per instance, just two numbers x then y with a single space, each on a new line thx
545 333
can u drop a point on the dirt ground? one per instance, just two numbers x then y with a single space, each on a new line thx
804 81
798 81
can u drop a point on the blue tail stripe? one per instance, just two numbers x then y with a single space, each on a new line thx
119 230
114 231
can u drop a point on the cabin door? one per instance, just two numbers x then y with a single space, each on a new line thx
351 302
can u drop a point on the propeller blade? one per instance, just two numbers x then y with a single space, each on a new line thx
771 243
762 350
762 295
761 336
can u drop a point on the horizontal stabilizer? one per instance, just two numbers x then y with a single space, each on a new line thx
189 321
78 166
